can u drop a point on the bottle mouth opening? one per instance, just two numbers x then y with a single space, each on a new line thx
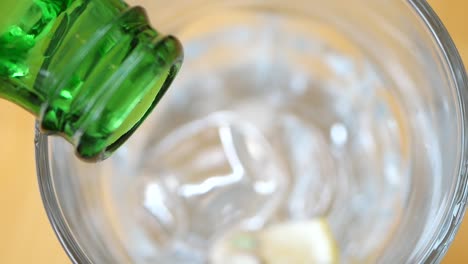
145 83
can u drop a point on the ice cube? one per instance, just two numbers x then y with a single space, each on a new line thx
312 168
226 173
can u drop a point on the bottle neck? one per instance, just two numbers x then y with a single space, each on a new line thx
92 72
24 27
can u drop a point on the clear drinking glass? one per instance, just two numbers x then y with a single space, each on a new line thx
294 126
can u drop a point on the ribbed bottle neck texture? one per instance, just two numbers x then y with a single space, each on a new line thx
94 70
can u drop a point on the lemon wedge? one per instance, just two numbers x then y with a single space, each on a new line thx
307 242
300 242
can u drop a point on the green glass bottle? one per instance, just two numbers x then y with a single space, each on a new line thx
89 70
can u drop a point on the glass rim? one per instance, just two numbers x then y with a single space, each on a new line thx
445 44
445 235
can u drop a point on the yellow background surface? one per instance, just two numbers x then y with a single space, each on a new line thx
25 233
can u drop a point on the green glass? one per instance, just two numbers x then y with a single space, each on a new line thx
89 70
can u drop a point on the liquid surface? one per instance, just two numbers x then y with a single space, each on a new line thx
267 126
